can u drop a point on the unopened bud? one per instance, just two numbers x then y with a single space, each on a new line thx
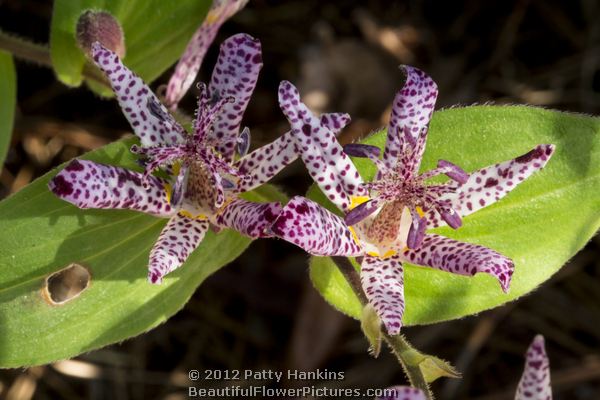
100 26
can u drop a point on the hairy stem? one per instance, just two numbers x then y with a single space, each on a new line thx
398 344
40 54
401 349
351 275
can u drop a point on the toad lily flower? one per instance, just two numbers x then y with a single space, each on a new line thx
188 66
390 215
534 383
204 181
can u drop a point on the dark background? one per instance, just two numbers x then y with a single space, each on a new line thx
261 311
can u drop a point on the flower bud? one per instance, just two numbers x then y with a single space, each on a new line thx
100 26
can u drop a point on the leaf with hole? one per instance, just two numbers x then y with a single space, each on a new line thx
8 98
156 33
42 235
540 225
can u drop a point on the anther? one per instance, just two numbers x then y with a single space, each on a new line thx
453 172
361 150
361 212
243 142
156 109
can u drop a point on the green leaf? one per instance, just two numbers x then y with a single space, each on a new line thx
434 368
8 98
41 234
540 225
156 33
431 367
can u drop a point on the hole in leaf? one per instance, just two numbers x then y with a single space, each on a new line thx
66 284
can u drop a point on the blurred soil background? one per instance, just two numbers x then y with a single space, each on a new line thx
261 311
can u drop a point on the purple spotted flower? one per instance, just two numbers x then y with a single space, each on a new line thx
387 219
204 180
187 68
534 383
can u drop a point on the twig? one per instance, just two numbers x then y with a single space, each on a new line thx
347 269
401 348
40 54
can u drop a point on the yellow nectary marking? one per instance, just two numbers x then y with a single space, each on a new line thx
225 204
387 254
168 192
420 211
176 168
213 15
356 201
354 236
188 214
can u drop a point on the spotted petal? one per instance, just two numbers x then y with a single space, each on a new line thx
488 185
336 122
461 258
315 229
189 64
251 219
411 111
320 151
177 240
535 381
235 75
383 283
266 162
87 184
147 116
402 393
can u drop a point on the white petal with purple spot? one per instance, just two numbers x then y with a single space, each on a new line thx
315 229
488 185
461 258
149 119
177 240
87 184
189 64
266 162
383 283
320 151
535 381
235 75
251 219
411 111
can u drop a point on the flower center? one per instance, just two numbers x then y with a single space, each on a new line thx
391 187
394 218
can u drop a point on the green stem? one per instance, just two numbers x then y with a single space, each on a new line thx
398 344
352 277
402 350
40 54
